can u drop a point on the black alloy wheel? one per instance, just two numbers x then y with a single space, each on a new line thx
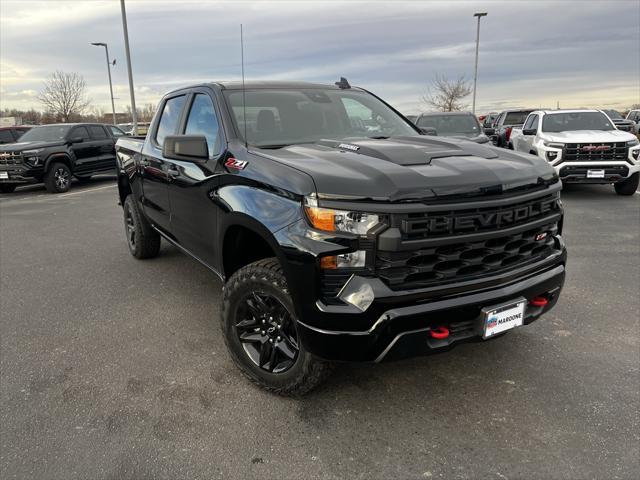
62 178
267 332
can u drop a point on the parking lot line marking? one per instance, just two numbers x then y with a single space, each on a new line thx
84 191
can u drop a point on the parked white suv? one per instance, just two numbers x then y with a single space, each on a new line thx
583 146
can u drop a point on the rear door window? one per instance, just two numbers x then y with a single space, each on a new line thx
170 118
97 132
80 132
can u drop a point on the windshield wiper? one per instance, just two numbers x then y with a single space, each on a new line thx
379 137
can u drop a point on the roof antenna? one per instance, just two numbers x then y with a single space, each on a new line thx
343 84
244 99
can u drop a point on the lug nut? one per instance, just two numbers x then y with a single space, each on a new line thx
278 339
263 332
264 321
271 340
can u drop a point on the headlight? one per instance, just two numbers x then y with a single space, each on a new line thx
553 144
331 220
30 153
633 143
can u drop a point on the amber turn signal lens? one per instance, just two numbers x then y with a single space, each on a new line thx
322 218
329 263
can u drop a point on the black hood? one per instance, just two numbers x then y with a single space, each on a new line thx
20 146
403 168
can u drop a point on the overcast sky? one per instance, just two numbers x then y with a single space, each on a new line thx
580 53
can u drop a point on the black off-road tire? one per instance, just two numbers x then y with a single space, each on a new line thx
7 187
266 276
628 186
58 178
142 240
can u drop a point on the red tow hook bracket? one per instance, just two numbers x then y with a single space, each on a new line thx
538 301
439 333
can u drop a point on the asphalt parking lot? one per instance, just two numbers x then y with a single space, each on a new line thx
115 368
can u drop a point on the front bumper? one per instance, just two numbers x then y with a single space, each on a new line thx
577 172
400 322
21 173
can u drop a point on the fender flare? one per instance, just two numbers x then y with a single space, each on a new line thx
58 156
241 219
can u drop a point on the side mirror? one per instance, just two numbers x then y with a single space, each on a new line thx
76 140
489 131
428 131
529 131
191 148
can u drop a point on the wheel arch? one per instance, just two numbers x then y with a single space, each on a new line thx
244 240
58 158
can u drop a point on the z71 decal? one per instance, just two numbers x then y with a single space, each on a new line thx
235 164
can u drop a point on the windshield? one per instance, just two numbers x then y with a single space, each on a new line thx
451 124
568 122
47 133
516 118
276 118
613 115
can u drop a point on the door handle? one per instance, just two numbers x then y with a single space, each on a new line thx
173 172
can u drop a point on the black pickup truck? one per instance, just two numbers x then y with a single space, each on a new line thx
341 232
54 153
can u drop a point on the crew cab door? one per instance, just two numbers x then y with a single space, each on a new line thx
83 148
191 183
153 165
105 154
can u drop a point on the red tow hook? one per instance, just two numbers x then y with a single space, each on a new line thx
538 301
439 333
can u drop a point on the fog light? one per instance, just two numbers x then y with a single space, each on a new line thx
635 154
361 297
552 156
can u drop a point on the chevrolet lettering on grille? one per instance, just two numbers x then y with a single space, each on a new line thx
460 223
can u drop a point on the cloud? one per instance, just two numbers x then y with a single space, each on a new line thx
531 52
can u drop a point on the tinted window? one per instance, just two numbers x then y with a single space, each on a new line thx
47 133
516 118
115 131
283 117
80 132
613 115
451 124
170 118
5 136
97 132
203 121
567 122
18 132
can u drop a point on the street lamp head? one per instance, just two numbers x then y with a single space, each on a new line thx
481 14
99 44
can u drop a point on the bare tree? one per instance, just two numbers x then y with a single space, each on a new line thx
446 95
64 95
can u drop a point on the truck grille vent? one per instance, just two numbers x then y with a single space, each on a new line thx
586 152
415 226
465 261
10 158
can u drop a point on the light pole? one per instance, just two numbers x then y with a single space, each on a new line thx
475 72
106 49
134 116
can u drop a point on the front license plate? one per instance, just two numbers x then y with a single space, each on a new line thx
595 173
501 318
4 175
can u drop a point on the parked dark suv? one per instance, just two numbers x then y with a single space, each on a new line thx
54 153
463 125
